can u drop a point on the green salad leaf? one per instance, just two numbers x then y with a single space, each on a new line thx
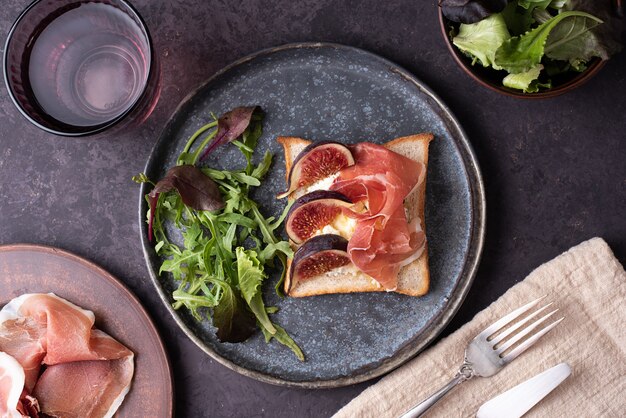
251 276
521 53
558 4
232 125
562 36
541 16
526 81
481 40
573 41
609 35
282 337
518 19
215 242
531 4
234 323
520 15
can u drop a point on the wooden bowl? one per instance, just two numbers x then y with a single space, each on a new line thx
492 79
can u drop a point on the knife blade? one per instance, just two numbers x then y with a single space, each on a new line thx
517 401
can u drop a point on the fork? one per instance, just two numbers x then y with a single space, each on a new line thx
486 354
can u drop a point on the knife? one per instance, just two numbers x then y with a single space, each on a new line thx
517 401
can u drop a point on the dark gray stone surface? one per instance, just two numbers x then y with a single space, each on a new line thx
555 170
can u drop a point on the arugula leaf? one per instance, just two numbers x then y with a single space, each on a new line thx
271 309
189 158
141 178
213 281
271 250
236 218
283 338
244 178
263 167
249 140
187 295
275 225
229 237
192 236
481 40
521 53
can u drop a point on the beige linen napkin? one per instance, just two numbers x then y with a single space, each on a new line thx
588 284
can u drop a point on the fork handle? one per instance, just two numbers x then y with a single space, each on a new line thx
421 408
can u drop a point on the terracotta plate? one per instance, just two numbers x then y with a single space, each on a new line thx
38 269
327 91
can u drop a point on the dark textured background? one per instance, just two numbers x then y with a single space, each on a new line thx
555 170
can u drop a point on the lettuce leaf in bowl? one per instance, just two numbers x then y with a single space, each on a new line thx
521 53
608 35
534 40
527 81
481 40
573 41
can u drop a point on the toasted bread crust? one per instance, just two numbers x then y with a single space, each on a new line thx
413 279
289 142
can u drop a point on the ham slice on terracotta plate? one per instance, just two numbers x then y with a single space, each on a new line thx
86 373
11 386
383 240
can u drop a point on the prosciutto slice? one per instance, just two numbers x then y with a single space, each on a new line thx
87 372
383 240
11 386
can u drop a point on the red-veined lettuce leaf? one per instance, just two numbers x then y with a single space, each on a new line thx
471 11
196 190
230 126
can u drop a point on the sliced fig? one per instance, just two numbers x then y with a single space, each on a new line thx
316 162
317 256
312 212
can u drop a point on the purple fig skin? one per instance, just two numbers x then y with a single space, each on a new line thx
294 173
326 197
318 244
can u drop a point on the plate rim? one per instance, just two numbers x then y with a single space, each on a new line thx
68 255
471 260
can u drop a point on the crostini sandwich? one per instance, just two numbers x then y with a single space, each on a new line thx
357 223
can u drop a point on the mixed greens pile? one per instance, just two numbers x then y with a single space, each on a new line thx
222 244
532 40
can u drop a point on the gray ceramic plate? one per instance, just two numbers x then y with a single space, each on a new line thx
325 91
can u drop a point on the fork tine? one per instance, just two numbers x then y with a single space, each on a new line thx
518 325
508 318
529 342
524 332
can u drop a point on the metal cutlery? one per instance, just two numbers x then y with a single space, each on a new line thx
494 348
518 400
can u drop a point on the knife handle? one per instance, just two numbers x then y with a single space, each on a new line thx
421 408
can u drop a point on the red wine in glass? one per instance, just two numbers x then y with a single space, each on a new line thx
78 67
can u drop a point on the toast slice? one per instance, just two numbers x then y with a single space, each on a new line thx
414 278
